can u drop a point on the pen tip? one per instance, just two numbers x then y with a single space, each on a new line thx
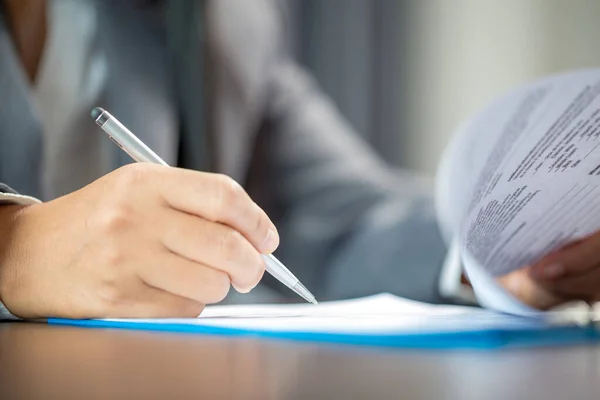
97 112
304 293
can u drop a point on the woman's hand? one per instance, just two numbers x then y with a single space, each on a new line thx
569 273
143 241
522 286
573 271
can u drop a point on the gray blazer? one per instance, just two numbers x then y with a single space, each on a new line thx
349 225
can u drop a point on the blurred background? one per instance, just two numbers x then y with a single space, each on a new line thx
407 72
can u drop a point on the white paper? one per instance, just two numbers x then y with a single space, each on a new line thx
380 314
522 178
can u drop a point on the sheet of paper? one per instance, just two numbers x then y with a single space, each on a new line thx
523 178
380 314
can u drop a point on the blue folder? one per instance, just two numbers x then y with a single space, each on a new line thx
523 333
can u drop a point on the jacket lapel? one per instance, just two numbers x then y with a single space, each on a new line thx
216 96
239 45
139 90
185 34
132 83
20 133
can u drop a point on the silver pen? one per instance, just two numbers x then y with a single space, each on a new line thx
137 150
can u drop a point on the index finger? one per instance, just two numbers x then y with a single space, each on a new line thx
219 198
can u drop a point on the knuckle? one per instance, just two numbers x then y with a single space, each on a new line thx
133 175
116 219
221 285
227 194
110 296
253 271
260 225
243 263
231 244
113 256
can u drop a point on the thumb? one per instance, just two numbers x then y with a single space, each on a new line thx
520 284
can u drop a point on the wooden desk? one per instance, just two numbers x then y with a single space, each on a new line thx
45 362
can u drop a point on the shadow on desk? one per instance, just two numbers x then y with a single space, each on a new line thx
40 361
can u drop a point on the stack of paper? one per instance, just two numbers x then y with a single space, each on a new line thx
377 320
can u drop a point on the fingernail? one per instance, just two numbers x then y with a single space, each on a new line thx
241 290
270 243
550 271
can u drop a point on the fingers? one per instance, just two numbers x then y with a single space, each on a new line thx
219 198
573 259
156 303
185 278
213 244
519 284
134 298
584 286
573 271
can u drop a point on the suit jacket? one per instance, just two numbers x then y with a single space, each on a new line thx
349 225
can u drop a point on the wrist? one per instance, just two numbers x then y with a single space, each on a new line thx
9 214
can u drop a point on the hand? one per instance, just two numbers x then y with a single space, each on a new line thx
572 271
143 241
569 273
522 286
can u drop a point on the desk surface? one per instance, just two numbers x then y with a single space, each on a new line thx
40 361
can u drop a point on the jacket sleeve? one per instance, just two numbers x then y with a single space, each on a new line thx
8 195
349 224
5 189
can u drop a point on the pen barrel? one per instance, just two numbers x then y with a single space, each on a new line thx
279 271
129 143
